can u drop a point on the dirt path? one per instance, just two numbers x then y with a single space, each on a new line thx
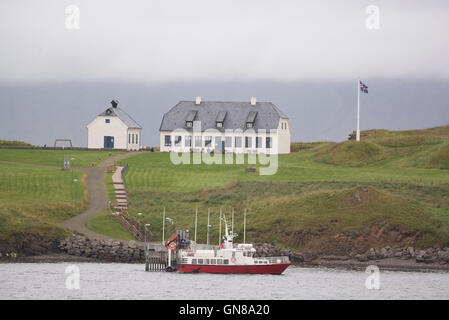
97 197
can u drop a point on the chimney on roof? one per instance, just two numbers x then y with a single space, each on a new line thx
114 103
253 101
198 100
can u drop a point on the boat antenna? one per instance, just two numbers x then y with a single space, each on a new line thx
244 226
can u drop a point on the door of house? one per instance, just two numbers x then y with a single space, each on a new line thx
109 142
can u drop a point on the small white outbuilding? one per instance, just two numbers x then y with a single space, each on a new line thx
114 129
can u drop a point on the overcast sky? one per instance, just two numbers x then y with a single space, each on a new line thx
176 40
305 56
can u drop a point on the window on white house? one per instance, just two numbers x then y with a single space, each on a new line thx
137 139
207 141
129 138
107 120
258 142
219 124
178 140
249 124
167 141
238 142
248 142
188 141
189 124
198 141
228 142
268 142
132 138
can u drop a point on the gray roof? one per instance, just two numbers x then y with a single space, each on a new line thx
122 115
235 114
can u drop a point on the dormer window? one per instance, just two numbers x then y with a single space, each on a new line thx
220 119
108 120
190 117
251 119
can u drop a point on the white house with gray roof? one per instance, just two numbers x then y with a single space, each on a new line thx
114 129
231 127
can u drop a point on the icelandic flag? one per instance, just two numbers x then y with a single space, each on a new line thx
363 87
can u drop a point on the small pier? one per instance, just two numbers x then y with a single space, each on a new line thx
158 261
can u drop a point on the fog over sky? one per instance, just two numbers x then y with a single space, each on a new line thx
304 56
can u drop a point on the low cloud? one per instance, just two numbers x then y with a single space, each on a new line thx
157 42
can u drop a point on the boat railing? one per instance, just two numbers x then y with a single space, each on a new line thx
281 259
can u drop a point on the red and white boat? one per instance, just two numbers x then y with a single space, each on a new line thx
232 259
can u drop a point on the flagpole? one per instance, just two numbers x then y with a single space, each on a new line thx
358 111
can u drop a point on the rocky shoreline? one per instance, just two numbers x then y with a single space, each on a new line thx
82 249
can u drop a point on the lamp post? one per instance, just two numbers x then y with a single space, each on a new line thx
163 227
147 260
208 225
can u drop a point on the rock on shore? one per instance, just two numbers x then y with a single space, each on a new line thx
104 250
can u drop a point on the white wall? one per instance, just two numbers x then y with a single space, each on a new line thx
134 142
98 129
284 136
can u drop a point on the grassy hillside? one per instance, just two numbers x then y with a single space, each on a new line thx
309 203
428 148
300 215
55 157
36 200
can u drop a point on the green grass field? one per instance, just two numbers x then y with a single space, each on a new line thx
408 198
82 159
37 200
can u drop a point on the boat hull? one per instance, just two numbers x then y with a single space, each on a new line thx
276 268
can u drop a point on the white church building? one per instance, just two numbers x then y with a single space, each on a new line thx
114 129
230 127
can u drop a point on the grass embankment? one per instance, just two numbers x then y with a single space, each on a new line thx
37 200
82 159
14 143
104 224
